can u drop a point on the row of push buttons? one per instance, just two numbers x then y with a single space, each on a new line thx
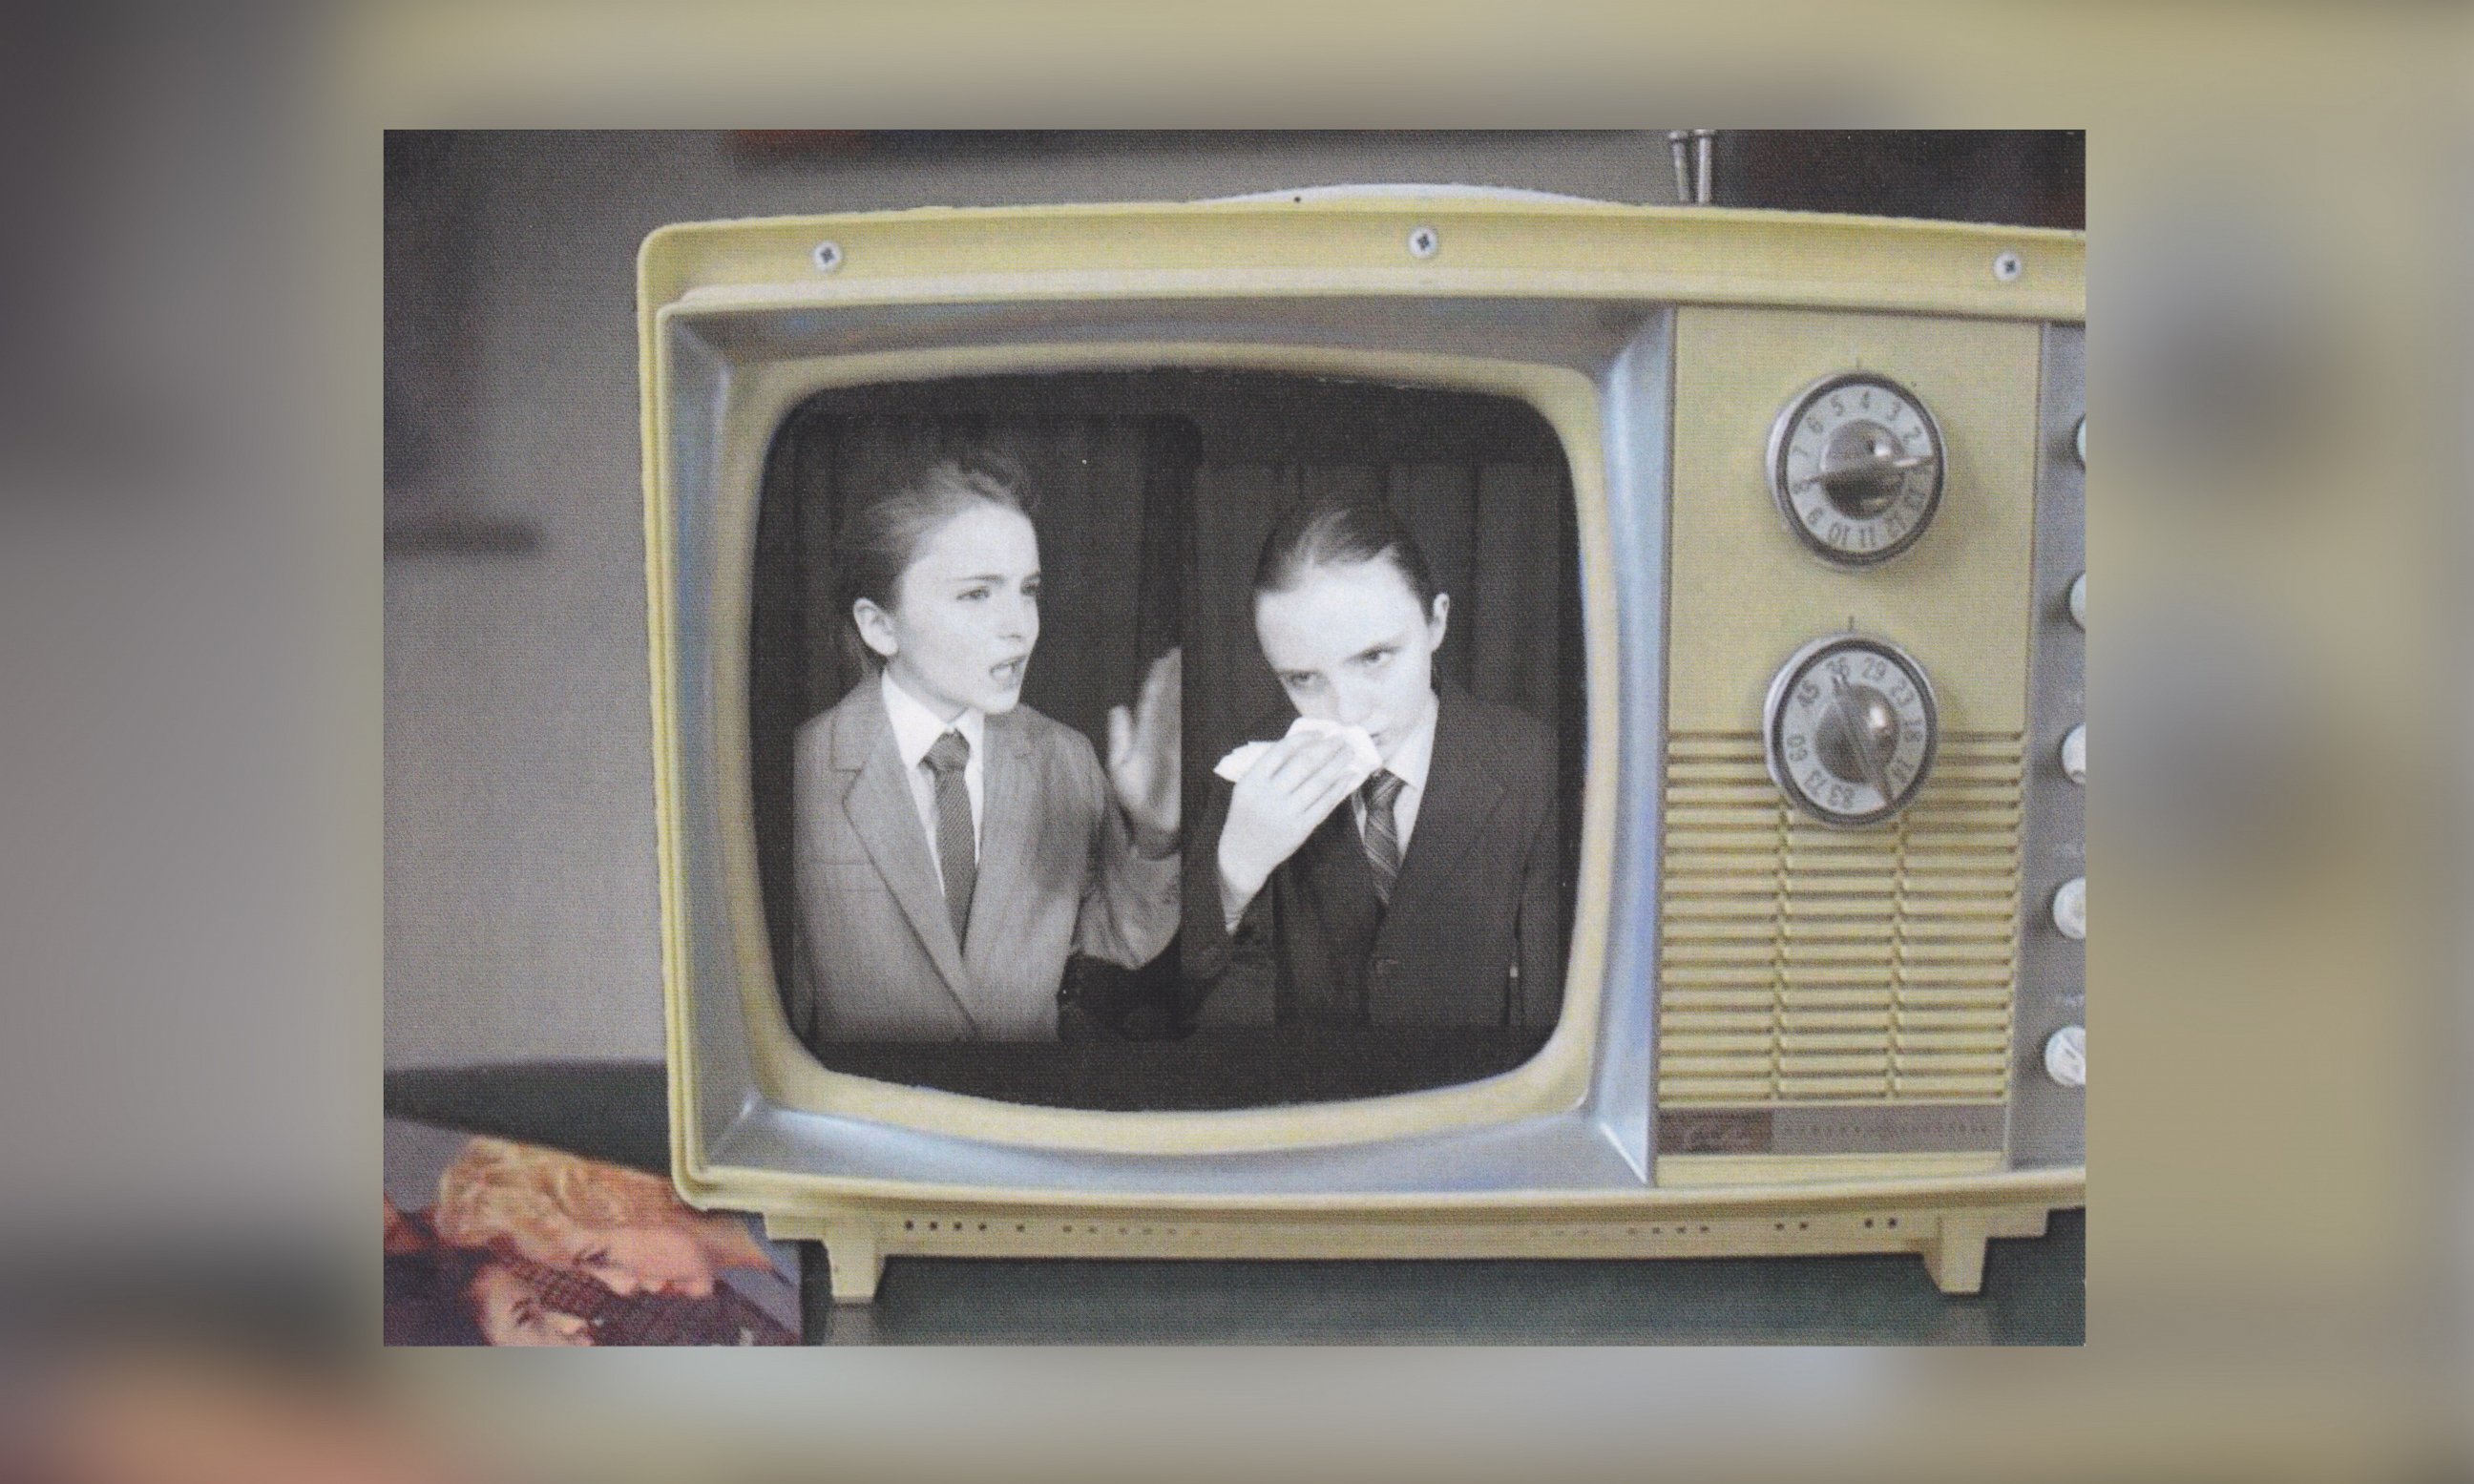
2066 1049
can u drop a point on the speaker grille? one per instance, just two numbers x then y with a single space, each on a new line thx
1799 964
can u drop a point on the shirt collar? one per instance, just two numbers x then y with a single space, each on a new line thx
1410 761
916 728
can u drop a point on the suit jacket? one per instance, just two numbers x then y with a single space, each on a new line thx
1474 933
1059 874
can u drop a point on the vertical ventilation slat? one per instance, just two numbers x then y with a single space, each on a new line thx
1800 963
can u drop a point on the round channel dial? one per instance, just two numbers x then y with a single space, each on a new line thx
1856 465
1850 729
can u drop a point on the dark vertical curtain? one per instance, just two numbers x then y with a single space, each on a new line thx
1155 490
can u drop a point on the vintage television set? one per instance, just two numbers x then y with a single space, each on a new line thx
1770 523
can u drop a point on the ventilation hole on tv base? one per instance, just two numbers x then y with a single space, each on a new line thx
910 1226
1868 1222
1778 1226
1894 1221
983 1225
1019 1226
1705 1228
1804 1226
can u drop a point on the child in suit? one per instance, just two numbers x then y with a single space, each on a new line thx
1431 897
953 846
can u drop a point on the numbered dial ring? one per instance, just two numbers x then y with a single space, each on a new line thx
1856 465
1850 730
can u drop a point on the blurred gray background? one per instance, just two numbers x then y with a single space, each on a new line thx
189 846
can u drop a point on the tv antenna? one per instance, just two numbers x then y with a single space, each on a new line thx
1692 149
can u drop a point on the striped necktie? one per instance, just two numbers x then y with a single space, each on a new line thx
1382 831
956 848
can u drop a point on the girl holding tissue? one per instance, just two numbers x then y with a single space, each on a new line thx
1394 856
953 846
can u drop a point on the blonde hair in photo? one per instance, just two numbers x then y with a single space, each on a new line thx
541 1202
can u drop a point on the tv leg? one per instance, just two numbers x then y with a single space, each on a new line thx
854 1263
1955 1254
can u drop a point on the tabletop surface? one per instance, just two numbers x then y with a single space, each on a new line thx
2034 1288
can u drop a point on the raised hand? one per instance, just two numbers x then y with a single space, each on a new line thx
1145 749
1276 806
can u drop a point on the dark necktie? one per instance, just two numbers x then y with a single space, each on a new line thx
956 851
1382 831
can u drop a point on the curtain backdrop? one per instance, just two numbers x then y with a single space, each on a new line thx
1155 490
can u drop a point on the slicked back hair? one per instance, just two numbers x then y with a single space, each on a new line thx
1333 532
878 538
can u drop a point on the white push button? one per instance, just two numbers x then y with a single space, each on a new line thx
2066 1056
2070 908
2078 600
2075 754
2078 442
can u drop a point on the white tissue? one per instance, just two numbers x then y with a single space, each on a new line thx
1361 747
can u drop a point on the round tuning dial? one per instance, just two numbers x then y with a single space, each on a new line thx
1856 465
1850 729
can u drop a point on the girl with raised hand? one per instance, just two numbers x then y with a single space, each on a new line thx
955 847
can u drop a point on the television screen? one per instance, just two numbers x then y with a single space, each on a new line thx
1422 588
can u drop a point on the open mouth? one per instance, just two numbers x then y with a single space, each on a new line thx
1009 674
